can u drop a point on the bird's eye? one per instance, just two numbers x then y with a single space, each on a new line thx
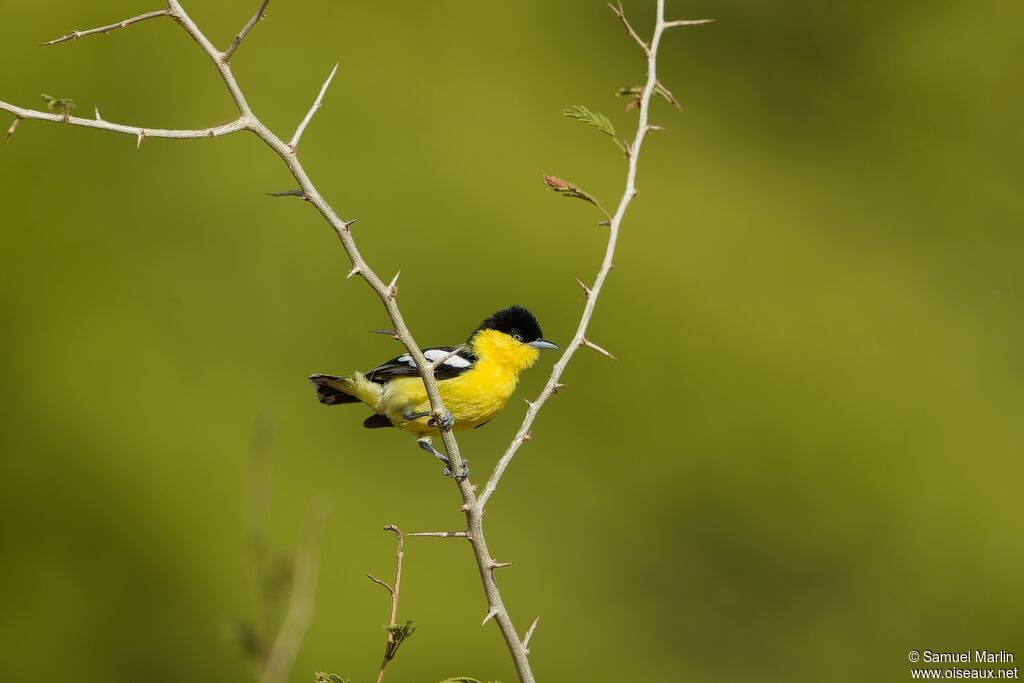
518 337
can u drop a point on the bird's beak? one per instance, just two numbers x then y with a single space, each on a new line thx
542 344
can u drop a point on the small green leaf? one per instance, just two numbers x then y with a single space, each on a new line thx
397 634
321 677
62 104
591 118
659 89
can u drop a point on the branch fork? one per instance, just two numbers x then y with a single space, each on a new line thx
592 293
472 505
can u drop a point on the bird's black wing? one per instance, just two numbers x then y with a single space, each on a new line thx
403 366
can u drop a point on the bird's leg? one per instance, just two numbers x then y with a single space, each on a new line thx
408 415
424 443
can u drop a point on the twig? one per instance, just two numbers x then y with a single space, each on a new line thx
134 131
396 633
621 14
386 585
593 292
301 604
245 31
440 534
294 143
106 29
688 22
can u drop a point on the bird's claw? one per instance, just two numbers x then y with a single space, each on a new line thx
443 421
465 470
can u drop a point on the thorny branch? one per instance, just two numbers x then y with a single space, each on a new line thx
105 29
245 31
593 292
472 506
386 292
294 144
396 633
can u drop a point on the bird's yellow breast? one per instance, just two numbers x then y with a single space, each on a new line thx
474 397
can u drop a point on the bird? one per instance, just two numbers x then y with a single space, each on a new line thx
475 381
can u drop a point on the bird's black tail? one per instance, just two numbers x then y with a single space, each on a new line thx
331 390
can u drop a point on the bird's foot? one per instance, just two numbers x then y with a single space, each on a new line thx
443 421
425 444
465 470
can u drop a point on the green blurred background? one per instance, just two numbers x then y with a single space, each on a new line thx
805 463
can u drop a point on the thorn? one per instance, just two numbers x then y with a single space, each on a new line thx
355 271
97 109
294 143
558 387
494 564
349 222
490 615
529 634
289 193
654 128
586 290
604 224
529 403
664 92
527 436
14 125
138 141
688 22
589 344
621 14
393 287
390 333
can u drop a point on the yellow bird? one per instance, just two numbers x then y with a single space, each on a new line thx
475 381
